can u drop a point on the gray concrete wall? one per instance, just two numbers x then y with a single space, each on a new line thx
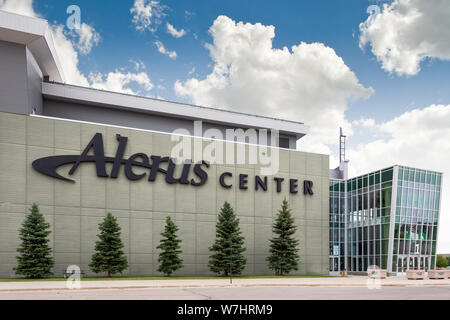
34 79
20 80
74 210
13 78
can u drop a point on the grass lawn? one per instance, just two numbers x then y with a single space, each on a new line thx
160 278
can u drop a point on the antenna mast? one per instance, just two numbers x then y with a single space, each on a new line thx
342 139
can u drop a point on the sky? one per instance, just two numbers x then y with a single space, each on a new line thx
379 69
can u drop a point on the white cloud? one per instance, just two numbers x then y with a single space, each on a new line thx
418 138
174 32
406 32
87 38
66 44
119 81
162 49
147 14
137 64
188 15
364 122
68 57
308 83
23 7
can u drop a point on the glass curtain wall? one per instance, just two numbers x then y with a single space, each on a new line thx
337 225
416 219
369 200
360 220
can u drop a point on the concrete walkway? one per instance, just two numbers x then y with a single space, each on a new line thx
351 281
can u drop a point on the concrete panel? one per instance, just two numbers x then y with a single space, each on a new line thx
314 164
187 234
297 162
67 194
118 193
40 132
158 228
206 196
68 135
141 194
185 198
245 199
10 223
12 173
224 194
248 232
140 142
141 258
12 128
93 188
67 234
141 215
40 188
163 195
89 232
206 235
141 236
263 201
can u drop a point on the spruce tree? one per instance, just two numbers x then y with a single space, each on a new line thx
169 260
284 253
35 255
229 243
109 256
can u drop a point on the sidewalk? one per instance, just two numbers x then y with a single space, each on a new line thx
351 281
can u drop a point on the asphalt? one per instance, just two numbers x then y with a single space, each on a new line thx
240 293
353 287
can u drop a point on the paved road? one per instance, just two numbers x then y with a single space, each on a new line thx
244 293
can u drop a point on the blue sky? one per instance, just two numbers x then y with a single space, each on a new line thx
334 23
399 84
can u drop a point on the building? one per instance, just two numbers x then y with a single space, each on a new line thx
387 218
80 153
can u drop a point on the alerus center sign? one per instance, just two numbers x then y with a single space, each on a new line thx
49 165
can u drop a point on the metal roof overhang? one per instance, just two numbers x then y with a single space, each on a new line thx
36 35
131 103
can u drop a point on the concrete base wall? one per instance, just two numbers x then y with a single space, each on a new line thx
74 210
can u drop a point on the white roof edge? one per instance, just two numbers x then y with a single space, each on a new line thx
36 34
59 91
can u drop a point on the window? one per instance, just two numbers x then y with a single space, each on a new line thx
284 142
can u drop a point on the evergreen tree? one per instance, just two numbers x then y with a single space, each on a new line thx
284 253
229 244
169 261
35 255
109 256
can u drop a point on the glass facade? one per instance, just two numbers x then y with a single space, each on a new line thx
386 218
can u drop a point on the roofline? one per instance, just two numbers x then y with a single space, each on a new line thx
387 168
122 101
36 35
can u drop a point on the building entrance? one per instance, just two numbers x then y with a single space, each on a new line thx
405 263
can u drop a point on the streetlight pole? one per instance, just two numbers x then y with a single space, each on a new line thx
231 261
